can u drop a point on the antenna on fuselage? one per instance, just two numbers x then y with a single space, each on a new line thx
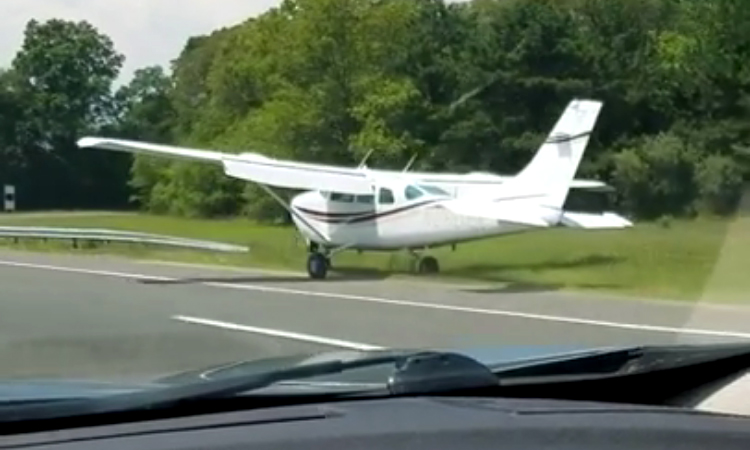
363 163
411 161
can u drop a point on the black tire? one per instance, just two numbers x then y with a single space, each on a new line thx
428 265
317 266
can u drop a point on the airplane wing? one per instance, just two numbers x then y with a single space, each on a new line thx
260 169
122 145
252 166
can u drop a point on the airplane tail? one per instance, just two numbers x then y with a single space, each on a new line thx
550 173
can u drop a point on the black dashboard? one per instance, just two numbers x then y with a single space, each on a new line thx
416 422
633 398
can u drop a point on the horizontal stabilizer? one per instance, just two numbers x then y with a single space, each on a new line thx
516 214
594 185
607 220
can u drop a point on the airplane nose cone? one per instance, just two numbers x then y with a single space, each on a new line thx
304 200
299 200
295 202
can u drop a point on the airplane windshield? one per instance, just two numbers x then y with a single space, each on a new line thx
433 190
340 197
411 192
367 199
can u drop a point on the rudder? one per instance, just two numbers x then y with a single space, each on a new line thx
553 168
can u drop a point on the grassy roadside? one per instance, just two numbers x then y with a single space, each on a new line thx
691 260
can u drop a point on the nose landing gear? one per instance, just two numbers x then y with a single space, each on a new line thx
317 265
318 262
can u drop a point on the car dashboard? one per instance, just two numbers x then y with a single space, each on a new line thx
699 403
415 422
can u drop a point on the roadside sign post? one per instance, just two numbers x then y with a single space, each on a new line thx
9 198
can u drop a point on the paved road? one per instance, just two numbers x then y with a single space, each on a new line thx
64 315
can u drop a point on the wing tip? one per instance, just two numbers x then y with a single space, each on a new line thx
89 141
587 101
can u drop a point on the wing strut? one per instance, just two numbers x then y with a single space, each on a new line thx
291 211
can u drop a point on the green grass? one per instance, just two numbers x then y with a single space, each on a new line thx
702 260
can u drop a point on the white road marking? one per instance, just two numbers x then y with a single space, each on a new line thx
394 278
220 267
464 284
393 302
310 338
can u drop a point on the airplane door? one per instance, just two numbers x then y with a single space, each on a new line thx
385 198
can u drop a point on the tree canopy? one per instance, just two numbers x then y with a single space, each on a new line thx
464 86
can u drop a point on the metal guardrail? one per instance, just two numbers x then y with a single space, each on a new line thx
103 235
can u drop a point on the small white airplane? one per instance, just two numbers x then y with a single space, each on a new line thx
365 209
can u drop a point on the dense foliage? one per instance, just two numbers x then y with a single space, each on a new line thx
465 86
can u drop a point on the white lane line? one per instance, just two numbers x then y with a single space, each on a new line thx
403 303
309 338
221 268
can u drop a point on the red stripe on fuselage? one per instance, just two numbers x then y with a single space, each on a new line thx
360 216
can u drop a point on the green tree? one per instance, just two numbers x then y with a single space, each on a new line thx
63 73
144 111
658 177
719 180
466 86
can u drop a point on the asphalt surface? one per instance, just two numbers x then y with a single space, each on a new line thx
105 317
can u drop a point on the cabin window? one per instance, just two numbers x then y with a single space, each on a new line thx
367 199
385 196
433 190
339 197
412 192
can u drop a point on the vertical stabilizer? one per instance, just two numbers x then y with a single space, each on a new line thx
553 168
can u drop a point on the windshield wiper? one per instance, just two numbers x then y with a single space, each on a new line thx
415 373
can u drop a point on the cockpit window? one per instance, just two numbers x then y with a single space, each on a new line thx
411 192
367 199
433 190
339 197
385 196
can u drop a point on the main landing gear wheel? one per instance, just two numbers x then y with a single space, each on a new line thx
317 266
428 265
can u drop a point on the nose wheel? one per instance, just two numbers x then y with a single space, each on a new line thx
317 266
318 261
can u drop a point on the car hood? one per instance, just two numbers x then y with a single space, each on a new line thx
495 357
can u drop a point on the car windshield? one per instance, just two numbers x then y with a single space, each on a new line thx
190 189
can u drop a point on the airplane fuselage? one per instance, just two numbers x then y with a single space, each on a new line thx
408 223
